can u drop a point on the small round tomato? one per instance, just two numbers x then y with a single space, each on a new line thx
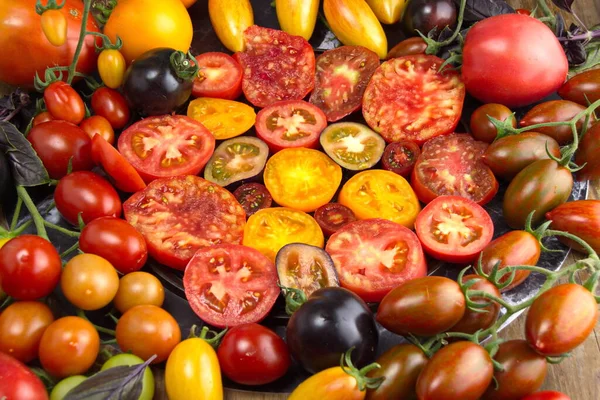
86 193
97 124
128 360
89 282
302 179
18 381
547 395
30 267
381 194
472 321
408 47
331 217
236 159
425 15
400 157
22 325
223 118
523 11
482 128
57 142
111 105
556 111
42 117
111 67
137 289
291 123
219 76
423 306
253 355
353 146
121 172
147 330
454 229
69 346
583 88
64 103
62 388
253 197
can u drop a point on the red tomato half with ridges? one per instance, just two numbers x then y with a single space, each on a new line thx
19 382
373 256
292 123
124 176
179 215
408 98
165 146
219 76
454 229
230 285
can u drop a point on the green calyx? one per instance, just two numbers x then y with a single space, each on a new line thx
185 66
103 9
362 380
214 341
294 298
50 5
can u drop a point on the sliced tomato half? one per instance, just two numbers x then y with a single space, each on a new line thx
353 146
253 197
219 76
236 159
333 216
123 175
230 285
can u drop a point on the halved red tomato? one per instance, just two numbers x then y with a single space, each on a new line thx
453 166
124 176
374 256
333 216
400 157
253 197
236 159
229 285
292 123
454 229
341 80
165 146
219 76
179 215
352 145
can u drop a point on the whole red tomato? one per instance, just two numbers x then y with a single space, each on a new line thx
111 104
42 117
580 218
547 395
253 355
64 103
472 321
18 382
30 267
97 124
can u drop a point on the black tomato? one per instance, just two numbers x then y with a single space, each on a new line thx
425 15
253 197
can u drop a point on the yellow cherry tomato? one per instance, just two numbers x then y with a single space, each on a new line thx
54 26
143 25
111 67
297 17
272 228
381 194
230 18
223 118
387 11
302 179
354 23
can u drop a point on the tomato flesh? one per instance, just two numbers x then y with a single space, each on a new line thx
253 197
352 145
400 157
236 159
223 118
124 176
220 76
333 216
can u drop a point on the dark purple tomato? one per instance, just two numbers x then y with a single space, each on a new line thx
253 197
482 128
472 321
401 157
331 217
407 47
587 154
425 15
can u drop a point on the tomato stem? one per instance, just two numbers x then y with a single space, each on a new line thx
591 252
38 221
70 250
433 46
16 214
6 302
81 314
362 381
82 34
62 230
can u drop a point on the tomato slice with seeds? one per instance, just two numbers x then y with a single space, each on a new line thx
293 123
353 146
179 215
400 157
454 229
219 76
408 98
333 216
236 159
229 285
165 146
341 79
374 256
253 197
123 175
223 118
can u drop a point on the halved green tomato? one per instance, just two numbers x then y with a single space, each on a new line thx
353 146
223 118
236 159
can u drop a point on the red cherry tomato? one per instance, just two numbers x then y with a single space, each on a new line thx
18 381
523 11
97 124
124 176
219 76
64 103
42 117
333 216
111 105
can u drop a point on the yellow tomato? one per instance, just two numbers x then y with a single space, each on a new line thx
302 179
331 384
111 67
354 23
230 18
143 25
272 228
54 26
381 194
3 241
297 17
387 11
223 118
188 3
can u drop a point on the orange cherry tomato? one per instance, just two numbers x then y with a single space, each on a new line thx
54 26
98 125
111 67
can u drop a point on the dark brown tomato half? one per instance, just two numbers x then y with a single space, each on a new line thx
341 79
277 66
408 47
472 321
179 215
352 145
253 197
236 159
331 217
400 157
408 98
452 166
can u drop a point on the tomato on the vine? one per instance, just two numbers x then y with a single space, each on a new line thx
408 47
482 128
111 67
64 103
111 105
54 26
472 321
137 289
556 111
98 125
583 88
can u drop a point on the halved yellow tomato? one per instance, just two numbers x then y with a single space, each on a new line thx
230 18
302 179
223 118
297 17
272 228
381 194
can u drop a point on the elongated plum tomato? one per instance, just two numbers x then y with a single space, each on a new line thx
230 19
387 11
408 47
223 118
587 154
297 17
111 67
333 216
472 321
253 197
352 145
580 218
583 88
235 160
110 104
98 125
120 171
219 76
534 67
18 381
64 103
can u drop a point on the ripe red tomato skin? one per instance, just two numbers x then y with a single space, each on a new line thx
561 319
111 105
580 218
473 321
97 124
18 381
231 93
582 88
555 111
30 267
42 117
547 395
121 172
408 47
461 370
533 68
587 154
64 103
88 193
253 355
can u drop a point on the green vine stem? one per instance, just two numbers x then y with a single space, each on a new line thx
111 332
16 213
70 250
433 46
62 230
38 221
82 34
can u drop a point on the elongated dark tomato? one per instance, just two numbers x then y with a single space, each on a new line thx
580 218
229 285
408 98
179 215
341 79
277 66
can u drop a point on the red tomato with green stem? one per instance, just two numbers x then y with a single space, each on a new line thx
123 175
18 381
219 76
64 103
97 124
556 111
110 104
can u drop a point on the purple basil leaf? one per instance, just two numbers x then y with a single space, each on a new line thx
12 103
476 10
26 167
564 4
559 27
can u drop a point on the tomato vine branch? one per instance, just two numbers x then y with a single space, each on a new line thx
62 230
38 221
81 314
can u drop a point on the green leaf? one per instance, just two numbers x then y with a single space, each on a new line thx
27 168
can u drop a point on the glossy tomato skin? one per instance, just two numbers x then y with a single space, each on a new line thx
56 142
473 321
111 105
561 319
230 19
387 11
42 117
30 267
583 88
408 47
425 15
580 218
535 66
461 370
120 171
137 289
86 193
541 186
297 17
587 154
97 124
125 359
423 307
18 381
111 67
555 111
327 325
482 128
253 355
547 395
331 384
64 103
220 76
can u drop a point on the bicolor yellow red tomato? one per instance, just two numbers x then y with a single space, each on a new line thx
230 18
297 17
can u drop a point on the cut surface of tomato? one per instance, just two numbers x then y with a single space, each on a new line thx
179 215
408 99
374 256
165 146
353 146
219 76
333 216
124 176
229 285
400 157
236 159
223 118
253 197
